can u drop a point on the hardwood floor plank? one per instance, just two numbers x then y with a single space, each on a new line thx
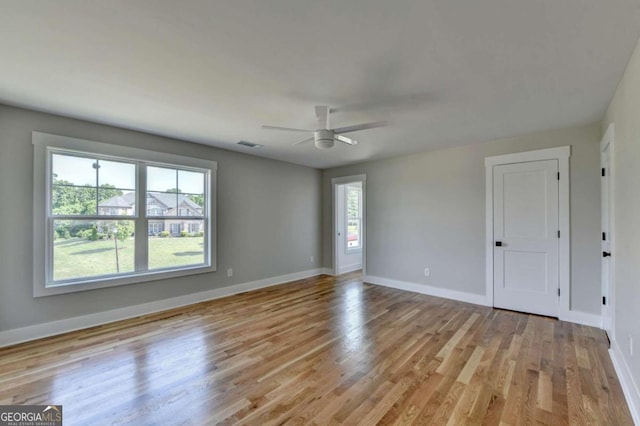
324 350
471 365
545 392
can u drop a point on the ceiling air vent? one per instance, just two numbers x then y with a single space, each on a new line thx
250 144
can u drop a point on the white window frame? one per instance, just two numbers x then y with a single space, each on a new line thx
347 218
44 144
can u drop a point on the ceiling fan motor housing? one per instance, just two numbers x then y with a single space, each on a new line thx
323 138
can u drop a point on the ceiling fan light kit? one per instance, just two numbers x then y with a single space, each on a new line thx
325 137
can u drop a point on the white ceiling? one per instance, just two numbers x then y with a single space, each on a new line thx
444 73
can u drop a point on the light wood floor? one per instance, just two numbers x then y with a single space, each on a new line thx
322 351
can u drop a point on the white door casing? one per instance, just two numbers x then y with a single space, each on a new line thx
607 194
526 233
562 155
335 182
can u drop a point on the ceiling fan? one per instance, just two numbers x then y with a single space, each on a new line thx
324 137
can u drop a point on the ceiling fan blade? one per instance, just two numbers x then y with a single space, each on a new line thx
346 140
357 127
322 113
287 129
303 141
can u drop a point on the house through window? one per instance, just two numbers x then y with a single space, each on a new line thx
104 225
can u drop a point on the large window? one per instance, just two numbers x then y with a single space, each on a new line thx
109 215
353 195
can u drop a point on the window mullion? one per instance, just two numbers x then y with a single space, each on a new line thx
97 168
141 221
49 250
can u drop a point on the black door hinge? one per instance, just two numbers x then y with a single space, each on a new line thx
558 233
558 292
604 236
558 175
604 300
604 173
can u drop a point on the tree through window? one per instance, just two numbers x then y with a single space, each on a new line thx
354 217
111 218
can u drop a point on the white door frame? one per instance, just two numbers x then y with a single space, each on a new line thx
608 141
334 240
561 154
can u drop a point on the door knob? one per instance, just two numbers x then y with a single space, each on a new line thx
606 254
498 243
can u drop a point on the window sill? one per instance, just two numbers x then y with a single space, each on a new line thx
111 281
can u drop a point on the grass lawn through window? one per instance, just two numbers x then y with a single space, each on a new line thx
76 258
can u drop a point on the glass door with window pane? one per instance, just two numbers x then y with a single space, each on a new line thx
354 217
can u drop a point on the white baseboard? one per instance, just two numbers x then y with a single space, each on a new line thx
328 271
478 299
583 318
350 268
38 331
577 317
629 386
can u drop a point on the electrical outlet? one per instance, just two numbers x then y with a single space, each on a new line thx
427 272
630 345
230 272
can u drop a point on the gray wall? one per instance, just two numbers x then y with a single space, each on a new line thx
268 220
424 210
428 210
624 111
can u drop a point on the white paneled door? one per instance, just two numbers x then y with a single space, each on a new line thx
526 237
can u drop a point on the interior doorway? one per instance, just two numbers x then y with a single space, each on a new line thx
349 224
528 242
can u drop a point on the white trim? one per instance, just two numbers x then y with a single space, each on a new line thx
327 271
629 386
46 139
584 318
38 331
609 140
350 268
576 317
340 181
561 154
460 296
527 156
